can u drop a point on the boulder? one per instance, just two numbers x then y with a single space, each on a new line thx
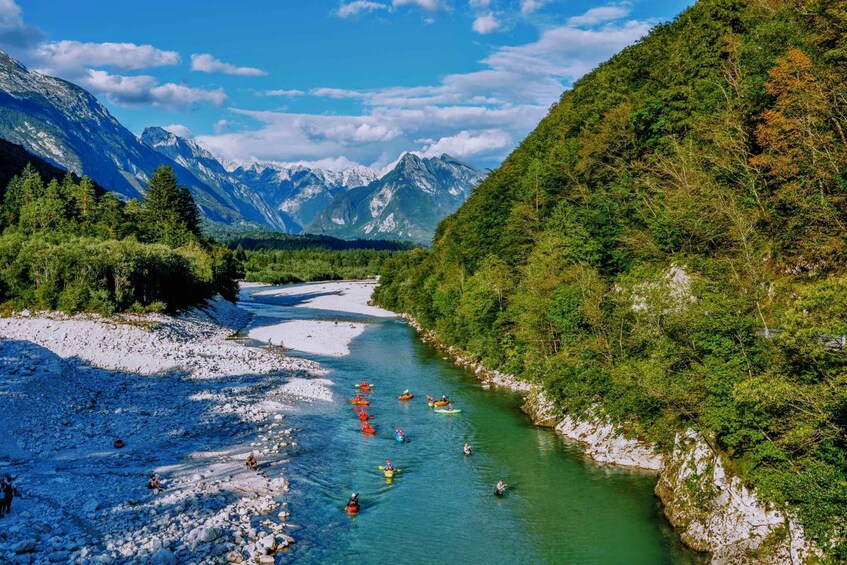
163 557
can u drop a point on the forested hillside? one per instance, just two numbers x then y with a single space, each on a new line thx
67 246
668 247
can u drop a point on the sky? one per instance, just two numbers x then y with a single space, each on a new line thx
334 82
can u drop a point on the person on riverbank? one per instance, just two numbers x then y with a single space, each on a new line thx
252 463
155 483
467 448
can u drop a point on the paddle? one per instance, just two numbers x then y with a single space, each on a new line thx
382 468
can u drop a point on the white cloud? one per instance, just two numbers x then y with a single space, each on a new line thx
599 15
221 126
427 5
466 144
283 92
206 63
358 6
336 93
61 56
486 23
144 90
530 6
179 130
13 31
479 4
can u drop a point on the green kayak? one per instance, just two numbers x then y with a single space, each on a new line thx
442 411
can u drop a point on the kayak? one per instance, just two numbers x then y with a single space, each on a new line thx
361 402
399 438
352 509
454 411
371 431
388 474
365 387
406 396
431 404
363 416
441 403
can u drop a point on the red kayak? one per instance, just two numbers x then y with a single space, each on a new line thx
368 430
352 509
363 416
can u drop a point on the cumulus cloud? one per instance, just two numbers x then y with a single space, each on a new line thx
467 144
144 90
599 15
530 6
61 56
284 92
206 63
479 4
356 7
13 31
486 23
427 5
179 130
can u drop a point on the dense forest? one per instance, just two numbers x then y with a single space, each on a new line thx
66 245
668 248
279 258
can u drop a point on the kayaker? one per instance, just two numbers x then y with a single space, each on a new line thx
450 406
354 501
388 465
366 427
467 448
406 392
364 385
443 399
500 488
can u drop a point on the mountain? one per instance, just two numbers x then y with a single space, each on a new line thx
204 166
13 159
299 192
667 251
66 126
407 203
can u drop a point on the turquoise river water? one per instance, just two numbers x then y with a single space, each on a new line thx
559 508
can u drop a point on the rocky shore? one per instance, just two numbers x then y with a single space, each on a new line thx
188 402
713 510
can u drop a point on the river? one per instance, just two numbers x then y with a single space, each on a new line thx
559 508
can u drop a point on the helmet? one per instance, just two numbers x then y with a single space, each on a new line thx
354 495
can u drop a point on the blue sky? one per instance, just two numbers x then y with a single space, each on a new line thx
329 82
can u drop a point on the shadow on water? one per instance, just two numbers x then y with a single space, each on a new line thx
559 508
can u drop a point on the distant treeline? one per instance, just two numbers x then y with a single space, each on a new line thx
67 246
274 241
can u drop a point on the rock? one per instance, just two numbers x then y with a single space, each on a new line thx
25 546
163 557
266 560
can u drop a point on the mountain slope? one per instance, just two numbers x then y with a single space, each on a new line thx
65 125
13 159
668 249
407 203
210 171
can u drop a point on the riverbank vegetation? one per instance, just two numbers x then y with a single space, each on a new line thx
66 246
669 247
